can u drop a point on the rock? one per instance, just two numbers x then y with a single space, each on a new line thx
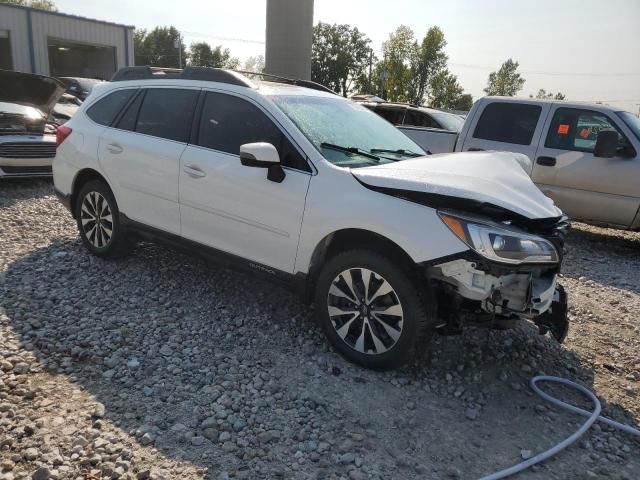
453 472
31 454
229 447
265 437
99 410
526 454
224 436
133 363
21 368
147 439
357 475
347 458
210 422
197 441
166 351
472 413
42 473
345 446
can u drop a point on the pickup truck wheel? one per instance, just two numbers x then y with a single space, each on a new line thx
370 309
98 220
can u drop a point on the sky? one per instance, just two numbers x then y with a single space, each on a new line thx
587 49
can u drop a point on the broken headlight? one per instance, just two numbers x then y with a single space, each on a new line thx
501 244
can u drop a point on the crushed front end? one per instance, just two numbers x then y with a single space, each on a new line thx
509 273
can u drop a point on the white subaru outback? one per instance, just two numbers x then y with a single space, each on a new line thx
291 181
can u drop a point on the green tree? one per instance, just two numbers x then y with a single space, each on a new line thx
254 64
157 48
340 55
202 55
47 5
394 71
426 62
543 94
446 93
464 103
506 81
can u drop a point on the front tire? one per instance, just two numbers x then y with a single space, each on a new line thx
98 220
371 310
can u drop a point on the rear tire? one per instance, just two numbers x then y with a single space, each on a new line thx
371 309
98 220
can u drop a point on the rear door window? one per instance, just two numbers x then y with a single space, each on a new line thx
104 111
416 118
508 123
393 115
228 122
167 113
577 129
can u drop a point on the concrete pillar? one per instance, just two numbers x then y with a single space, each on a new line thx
288 39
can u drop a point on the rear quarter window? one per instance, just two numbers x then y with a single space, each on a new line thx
104 111
508 123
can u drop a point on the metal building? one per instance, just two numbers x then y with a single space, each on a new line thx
62 45
289 37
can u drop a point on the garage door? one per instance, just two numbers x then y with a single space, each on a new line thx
68 59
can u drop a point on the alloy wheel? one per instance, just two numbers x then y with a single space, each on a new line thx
365 311
96 219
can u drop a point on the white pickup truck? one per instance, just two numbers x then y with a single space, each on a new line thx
585 157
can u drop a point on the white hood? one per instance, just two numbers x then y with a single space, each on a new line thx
496 178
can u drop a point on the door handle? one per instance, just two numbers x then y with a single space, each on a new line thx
546 161
474 149
194 171
115 148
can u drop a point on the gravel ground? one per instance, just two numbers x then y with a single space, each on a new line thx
162 366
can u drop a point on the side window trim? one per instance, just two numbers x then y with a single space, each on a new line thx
197 120
123 110
86 109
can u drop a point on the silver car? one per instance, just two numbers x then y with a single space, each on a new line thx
27 133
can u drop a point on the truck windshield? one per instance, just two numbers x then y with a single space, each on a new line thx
345 133
632 122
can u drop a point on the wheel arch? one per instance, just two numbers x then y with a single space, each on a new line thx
82 177
349 239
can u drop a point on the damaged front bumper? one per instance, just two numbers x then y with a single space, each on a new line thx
530 293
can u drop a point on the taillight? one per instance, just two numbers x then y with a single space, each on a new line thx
62 133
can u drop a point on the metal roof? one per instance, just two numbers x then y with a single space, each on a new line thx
68 15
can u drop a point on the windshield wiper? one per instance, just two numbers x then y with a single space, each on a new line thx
407 153
355 150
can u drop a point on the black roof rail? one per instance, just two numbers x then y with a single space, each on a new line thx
188 73
233 77
291 81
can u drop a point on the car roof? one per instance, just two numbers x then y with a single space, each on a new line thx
400 105
566 103
211 76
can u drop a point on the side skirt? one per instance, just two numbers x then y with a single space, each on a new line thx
296 283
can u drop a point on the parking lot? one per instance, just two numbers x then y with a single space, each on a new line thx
159 365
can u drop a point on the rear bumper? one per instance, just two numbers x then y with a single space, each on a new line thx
25 167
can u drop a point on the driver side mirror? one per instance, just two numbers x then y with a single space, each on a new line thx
606 144
263 155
